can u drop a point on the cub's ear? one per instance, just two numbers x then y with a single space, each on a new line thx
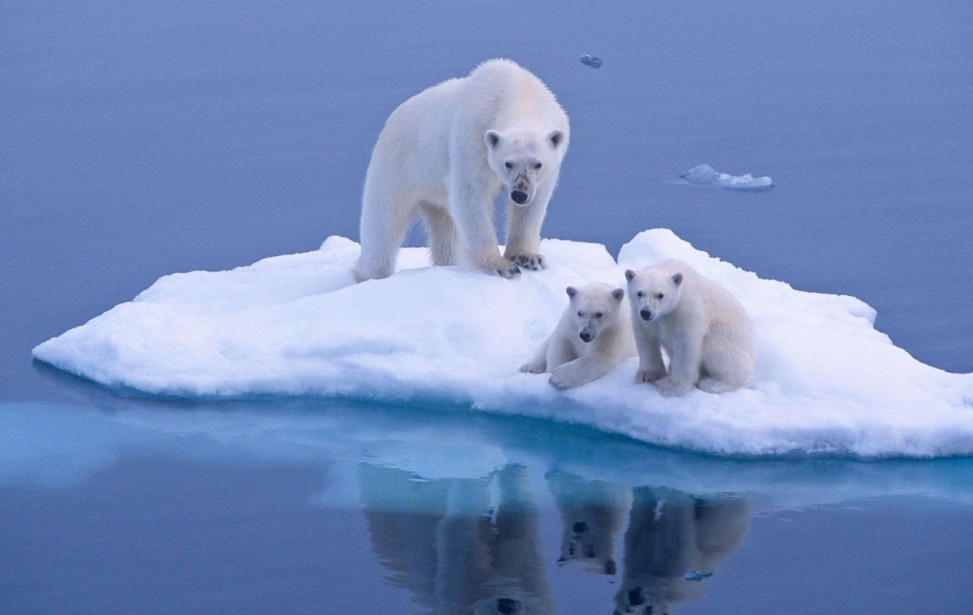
677 279
629 275
572 291
618 293
556 137
492 138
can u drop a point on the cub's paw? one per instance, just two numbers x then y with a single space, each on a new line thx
712 385
531 262
564 377
649 375
671 387
533 368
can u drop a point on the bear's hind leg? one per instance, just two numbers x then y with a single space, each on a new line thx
442 233
384 222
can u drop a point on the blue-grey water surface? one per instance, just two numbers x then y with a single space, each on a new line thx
141 139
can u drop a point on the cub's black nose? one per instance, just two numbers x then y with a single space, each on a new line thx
645 314
519 197
585 336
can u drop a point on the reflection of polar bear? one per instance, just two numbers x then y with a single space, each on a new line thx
447 152
669 534
439 540
593 335
592 516
702 327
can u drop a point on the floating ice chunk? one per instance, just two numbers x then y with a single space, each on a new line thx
826 382
696 575
590 60
705 175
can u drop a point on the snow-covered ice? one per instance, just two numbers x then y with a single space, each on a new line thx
705 175
826 382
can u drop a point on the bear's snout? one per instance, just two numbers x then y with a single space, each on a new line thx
519 197
585 336
645 314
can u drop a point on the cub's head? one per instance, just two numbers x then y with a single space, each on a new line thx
592 308
653 292
524 160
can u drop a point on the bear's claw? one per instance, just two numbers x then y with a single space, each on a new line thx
533 262
508 272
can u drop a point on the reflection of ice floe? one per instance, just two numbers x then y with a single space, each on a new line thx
705 175
826 382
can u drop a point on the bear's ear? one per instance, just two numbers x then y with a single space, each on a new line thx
556 137
572 291
629 275
492 138
677 278
618 293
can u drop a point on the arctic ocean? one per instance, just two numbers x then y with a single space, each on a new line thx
219 421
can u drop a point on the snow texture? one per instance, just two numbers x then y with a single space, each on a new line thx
826 382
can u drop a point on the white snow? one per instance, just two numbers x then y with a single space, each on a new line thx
826 381
705 175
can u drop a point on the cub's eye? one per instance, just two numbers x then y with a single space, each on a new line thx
659 296
537 166
580 314
640 294
598 314
509 165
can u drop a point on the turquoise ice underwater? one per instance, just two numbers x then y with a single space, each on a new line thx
826 381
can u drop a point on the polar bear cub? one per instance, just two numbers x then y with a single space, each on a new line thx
446 153
703 329
592 337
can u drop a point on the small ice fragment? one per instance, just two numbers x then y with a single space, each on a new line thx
702 174
590 60
696 575
705 175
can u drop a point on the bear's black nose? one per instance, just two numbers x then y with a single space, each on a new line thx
585 336
645 314
519 197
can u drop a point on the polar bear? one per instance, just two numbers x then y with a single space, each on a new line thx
446 153
592 337
703 329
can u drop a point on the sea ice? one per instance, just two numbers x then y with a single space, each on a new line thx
705 175
826 382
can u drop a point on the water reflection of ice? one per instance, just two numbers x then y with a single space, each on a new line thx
63 445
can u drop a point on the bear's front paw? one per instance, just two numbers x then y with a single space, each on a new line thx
670 387
533 368
502 267
532 262
649 375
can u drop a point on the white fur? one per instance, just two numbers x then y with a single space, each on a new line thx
592 337
446 153
703 329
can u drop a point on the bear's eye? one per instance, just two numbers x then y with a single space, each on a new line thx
640 294
580 314
659 296
598 314
509 165
537 166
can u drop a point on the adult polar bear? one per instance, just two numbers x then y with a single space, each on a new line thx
447 152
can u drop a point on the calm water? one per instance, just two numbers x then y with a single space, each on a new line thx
139 141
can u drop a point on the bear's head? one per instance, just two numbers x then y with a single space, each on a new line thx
653 292
593 308
523 161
